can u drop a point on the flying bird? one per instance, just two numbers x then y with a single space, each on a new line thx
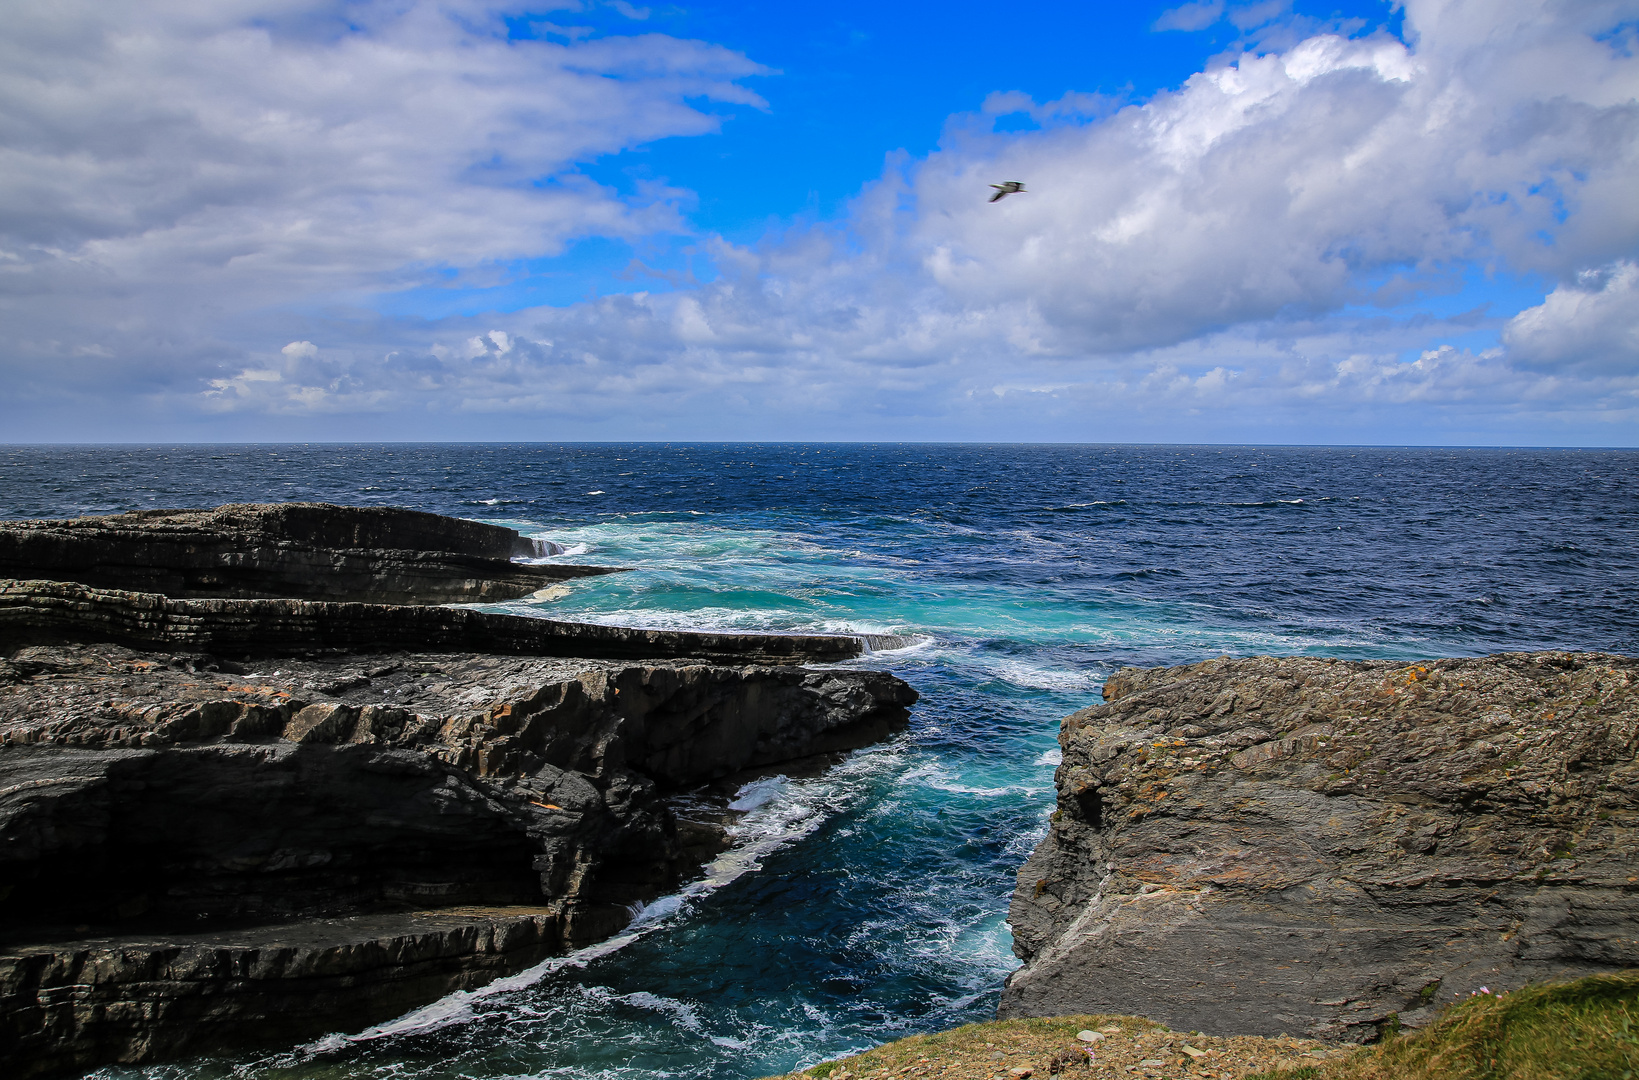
1012 187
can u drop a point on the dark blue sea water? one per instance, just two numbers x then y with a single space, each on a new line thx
869 903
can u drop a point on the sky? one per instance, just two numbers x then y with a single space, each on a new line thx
1272 221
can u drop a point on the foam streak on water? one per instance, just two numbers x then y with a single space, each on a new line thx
869 903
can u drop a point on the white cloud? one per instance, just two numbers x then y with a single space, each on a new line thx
163 162
1193 16
1235 248
1590 324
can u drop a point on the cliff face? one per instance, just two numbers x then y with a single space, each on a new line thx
138 785
315 551
1325 848
146 795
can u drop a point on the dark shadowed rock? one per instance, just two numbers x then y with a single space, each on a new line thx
143 997
316 551
1324 848
39 612
149 795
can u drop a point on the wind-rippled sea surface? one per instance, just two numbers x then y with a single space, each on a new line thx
870 902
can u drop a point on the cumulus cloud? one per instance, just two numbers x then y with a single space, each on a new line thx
1245 242
161 163
1590 324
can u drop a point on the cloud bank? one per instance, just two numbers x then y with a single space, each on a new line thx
201 206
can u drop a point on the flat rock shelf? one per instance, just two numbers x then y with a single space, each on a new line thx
40 612
311 551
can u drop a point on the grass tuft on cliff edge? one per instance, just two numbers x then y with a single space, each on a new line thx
1582 1030
1043 1046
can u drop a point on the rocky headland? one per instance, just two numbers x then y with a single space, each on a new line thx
230 820
310 551
1334 849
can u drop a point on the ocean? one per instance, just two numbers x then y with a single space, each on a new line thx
869 903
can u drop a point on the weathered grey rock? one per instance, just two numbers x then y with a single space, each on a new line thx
73 1005
156 793
1315 847
316 551
41 612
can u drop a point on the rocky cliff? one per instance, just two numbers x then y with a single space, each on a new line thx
315 551
1331 848
146 797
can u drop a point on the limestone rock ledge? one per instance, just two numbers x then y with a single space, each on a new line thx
311 551
1326 848
40 612
71 1006
150 793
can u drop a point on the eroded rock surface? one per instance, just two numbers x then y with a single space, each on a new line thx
1324 848
316 551
151 793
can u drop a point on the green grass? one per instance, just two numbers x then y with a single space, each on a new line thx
1582 1030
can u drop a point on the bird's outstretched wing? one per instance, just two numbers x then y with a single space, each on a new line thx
1000 194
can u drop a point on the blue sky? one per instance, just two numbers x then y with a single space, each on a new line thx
843 93
1245 222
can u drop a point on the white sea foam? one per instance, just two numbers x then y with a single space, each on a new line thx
457 1008
1054 756
758 792
1036 676
682 1014
891 642
933 774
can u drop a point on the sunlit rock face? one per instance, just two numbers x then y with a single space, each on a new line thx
1332 848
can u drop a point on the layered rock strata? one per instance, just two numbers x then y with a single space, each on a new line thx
36 612
147 794
1334 848
143 997
314 551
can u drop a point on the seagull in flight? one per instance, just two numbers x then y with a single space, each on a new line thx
1011 187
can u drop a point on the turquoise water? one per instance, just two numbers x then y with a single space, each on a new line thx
869 903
